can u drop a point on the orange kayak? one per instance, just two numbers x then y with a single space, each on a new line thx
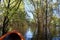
14 35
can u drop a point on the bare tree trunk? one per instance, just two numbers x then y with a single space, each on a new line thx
46 22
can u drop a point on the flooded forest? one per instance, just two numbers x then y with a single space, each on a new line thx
34 19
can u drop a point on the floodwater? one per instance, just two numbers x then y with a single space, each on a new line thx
56 38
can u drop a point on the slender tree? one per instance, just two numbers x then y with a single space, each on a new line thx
9 8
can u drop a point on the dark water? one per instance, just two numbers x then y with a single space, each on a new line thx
56 38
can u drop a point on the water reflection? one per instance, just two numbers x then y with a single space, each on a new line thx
29 34
56 38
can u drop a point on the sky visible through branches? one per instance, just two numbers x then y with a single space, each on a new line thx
29 8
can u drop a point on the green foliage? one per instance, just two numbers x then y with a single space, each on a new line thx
14 10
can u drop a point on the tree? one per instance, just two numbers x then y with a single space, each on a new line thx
8 10
43 14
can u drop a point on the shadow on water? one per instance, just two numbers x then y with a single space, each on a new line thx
28 34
